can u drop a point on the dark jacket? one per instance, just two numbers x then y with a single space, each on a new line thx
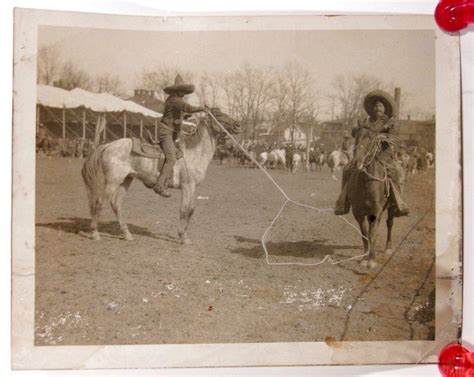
175 109
382 125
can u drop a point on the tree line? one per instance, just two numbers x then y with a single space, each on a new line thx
259 97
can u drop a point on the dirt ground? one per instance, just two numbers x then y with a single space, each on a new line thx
154 290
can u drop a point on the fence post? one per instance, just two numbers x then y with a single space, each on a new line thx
84 124
64 122
125 124
156 129
141 127
105 127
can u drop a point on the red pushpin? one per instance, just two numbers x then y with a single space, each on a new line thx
454 15
456 361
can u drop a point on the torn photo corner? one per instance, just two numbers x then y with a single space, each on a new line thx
212 191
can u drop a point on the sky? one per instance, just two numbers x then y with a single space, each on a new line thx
402 58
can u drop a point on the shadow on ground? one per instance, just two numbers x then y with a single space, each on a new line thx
299 249
80 226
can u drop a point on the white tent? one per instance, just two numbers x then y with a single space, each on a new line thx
51 96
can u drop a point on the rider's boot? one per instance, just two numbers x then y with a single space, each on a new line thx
401 207
343 205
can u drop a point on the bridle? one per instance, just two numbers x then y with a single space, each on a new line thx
210 122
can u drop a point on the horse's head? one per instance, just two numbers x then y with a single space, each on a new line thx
363 138
224 120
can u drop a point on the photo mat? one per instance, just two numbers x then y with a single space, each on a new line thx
218 301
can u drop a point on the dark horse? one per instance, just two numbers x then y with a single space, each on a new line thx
368 189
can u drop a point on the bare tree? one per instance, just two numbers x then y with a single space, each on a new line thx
279 107
109 83
248 90
71 76
49 64
209 89
350 91
230 95
300 93
332 100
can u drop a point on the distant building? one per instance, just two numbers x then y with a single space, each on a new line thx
332 132
264 132
419 133
148 99
411 132
299 136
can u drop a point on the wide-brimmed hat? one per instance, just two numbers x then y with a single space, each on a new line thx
379 95
179 86
346 135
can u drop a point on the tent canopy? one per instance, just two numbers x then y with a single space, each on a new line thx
51 96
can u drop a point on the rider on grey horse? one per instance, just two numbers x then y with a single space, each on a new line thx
379 106
170 129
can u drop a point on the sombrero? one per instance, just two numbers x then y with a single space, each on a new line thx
179 85
379 95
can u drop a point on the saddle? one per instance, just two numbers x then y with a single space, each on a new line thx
146 147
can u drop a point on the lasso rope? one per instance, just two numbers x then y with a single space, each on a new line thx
289 200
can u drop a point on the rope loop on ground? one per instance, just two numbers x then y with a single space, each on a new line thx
288 200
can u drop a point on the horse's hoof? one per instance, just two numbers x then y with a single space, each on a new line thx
364 263
388 251
127 237
96 236
372 264
186 241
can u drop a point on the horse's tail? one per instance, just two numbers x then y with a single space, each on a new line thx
94 179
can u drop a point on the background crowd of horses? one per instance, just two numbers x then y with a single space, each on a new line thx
414 160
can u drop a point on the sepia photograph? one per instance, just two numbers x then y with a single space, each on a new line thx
237 185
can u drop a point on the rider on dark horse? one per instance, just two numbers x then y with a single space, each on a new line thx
169 129
379 106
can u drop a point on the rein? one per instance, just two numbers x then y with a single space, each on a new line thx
209 123
374 148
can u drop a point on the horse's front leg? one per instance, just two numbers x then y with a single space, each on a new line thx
187 210
116 203
333 171
388 245
374 222
365 235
